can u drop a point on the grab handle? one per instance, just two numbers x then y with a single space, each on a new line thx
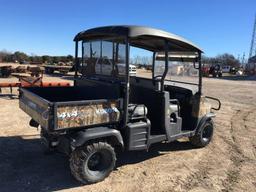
215 99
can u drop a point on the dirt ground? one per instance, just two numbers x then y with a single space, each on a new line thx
227 164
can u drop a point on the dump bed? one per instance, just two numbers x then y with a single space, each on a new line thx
57 108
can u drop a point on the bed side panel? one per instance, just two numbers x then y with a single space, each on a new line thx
86 113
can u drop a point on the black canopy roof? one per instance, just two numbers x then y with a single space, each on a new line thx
143 37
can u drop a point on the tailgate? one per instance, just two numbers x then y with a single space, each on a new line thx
36 107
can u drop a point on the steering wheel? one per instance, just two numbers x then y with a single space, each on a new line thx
158 78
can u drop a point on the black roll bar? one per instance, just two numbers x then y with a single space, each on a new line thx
153 65
200 72
76 59
127 82
166 65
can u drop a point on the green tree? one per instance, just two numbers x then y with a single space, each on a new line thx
228 59
5 56
55 59
70 58
20 56
47 59
223 59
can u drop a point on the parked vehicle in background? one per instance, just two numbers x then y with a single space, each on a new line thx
132 70
105 66
233 70
215 71
205 70
239 72
226 69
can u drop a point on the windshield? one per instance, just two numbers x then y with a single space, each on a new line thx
182 70
103 58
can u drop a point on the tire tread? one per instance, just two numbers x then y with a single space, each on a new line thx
78 157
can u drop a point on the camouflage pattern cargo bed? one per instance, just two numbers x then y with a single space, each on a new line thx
69 114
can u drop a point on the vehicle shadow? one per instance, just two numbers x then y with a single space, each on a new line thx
239 78
26 166
132 157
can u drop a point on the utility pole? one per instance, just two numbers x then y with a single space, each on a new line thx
243 59
253 41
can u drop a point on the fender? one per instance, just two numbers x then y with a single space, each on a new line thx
205 118
81 137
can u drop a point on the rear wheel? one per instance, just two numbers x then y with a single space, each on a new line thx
92 163
204 136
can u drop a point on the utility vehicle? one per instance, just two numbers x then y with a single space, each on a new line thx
103 112
216 71
213 70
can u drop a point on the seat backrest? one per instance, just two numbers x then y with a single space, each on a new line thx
155 102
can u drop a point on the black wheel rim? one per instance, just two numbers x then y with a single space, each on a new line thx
207 133
99 163
94 161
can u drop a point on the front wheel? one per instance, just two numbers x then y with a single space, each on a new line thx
204 136
92 163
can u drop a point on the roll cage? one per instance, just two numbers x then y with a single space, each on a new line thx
154 40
